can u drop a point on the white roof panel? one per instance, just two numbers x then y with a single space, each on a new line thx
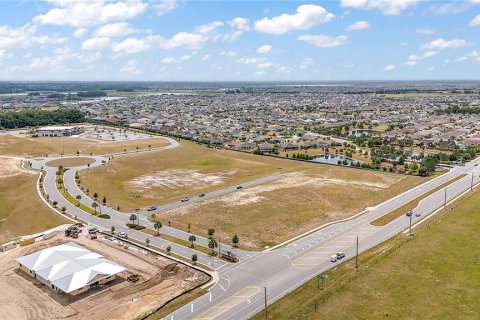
69 266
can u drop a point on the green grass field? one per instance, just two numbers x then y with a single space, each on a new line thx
431 275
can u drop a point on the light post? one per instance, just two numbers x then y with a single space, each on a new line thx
266 311
410 216
137 210
471 186
445 202
356 256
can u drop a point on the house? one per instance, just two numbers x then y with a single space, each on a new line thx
69 268
246 146
59 131
266 147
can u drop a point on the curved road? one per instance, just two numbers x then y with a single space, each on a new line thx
239 292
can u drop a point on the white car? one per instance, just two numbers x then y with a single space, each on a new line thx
333 258
123 235
418 214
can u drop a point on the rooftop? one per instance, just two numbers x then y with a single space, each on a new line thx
69 266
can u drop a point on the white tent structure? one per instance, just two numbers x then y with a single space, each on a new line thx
69 267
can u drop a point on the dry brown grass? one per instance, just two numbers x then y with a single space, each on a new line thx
270 214
36 147
22 210
311 195
70 162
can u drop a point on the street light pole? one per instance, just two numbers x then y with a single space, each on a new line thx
411 214
445 203
471 186
266 311
356 257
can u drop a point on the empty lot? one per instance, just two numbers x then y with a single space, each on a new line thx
269 214
21 209
25 146
22 297
308 196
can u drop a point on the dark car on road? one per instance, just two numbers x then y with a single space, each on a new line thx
184 199
152 208
201 195
409 213
239 187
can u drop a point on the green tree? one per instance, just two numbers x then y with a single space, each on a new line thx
192 239
104 200
112 229
78 197
95 206
194 258
212 244
147 241
157 225
95 196
211 232
169 249
133 217
235 240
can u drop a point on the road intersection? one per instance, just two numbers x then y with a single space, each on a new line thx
239 291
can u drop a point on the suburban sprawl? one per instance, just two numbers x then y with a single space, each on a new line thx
149 200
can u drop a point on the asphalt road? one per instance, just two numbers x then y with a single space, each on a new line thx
239 292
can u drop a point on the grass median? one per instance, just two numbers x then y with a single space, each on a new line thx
431 275
179 241
392 215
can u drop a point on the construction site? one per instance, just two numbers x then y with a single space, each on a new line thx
147 283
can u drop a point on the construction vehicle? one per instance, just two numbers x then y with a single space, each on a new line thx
73 231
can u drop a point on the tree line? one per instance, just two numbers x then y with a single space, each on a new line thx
32 118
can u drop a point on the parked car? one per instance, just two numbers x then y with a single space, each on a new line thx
201 195
409 213
184 199
239 187
340 255
333 258
93 230
152 208
123 235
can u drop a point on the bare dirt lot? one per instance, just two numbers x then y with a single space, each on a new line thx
271 213
22 297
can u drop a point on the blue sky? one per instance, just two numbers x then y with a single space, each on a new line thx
181 40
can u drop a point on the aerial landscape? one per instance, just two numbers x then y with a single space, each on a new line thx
211 160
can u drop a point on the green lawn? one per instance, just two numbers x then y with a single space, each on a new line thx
434 274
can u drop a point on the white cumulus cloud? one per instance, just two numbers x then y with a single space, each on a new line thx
114 30
97 43
240 23
441 43
389 67
264 49
475 21
323 41
359 25
306 17
165 6
388 7
80 13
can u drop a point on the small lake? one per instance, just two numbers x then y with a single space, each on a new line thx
333 159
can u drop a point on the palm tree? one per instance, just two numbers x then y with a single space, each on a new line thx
192 239
212 245
235 240
133 217
78 197
94 206
157 227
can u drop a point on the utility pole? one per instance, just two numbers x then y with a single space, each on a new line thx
471 186
445 203
411 214
266 312
356 257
